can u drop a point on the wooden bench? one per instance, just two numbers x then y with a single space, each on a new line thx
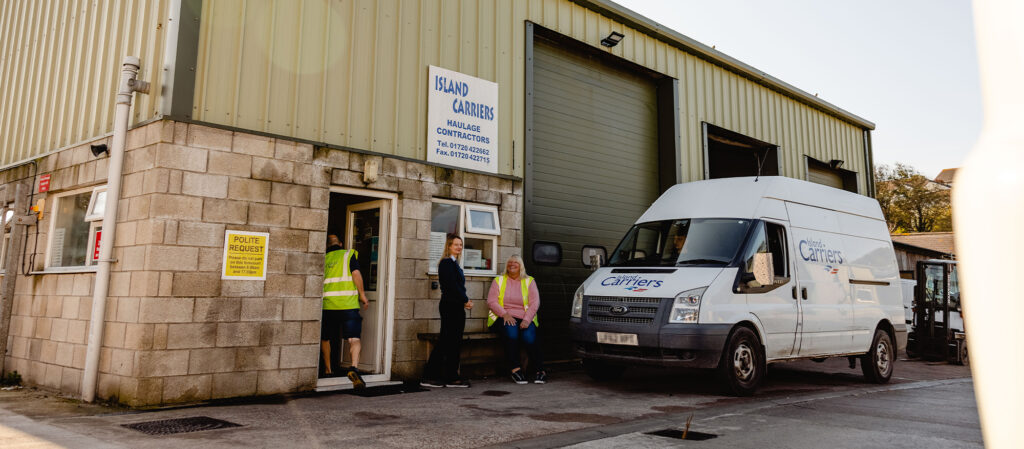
432 337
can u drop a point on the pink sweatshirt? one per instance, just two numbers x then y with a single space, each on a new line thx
514 300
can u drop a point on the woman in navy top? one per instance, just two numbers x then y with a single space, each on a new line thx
443 366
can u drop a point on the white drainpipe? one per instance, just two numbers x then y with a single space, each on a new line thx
127 85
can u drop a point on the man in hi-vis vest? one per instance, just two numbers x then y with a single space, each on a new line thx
343 296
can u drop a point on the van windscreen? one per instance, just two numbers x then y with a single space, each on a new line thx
670 243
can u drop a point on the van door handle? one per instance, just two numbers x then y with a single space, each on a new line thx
803 292
794 292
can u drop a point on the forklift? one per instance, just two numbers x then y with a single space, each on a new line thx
938 332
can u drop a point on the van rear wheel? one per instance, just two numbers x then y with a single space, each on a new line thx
742 365
877 364
602 371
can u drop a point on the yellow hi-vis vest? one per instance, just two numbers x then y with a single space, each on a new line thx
525 284
339 289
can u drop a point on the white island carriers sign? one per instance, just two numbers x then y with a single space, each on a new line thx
462 121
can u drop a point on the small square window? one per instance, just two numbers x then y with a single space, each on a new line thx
76 218
97 204
482 220
478 227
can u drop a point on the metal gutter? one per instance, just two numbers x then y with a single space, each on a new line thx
647 26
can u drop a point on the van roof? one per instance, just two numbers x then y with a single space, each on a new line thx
743 197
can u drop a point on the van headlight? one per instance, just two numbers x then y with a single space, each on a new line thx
686 306
577 303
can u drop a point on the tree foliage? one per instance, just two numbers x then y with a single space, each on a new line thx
910 201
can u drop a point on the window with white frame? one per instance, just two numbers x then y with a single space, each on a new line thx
6 228
76 228
476 224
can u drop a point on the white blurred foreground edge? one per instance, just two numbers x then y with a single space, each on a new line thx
988 205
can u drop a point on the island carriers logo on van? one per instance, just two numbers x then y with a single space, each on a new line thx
633 283
817 251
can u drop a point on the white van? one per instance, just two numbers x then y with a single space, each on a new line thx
737 273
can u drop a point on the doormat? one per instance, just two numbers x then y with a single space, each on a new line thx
180 425
386 390
678 435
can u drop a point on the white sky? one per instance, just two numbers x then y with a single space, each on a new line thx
909 66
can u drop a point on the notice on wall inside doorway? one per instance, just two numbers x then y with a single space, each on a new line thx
462 120
245 255
436 249
473 258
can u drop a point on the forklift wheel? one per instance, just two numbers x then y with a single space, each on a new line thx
962 358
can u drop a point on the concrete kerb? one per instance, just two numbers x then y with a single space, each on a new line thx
673 420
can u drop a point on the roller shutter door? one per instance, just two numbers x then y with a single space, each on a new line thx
594 169
825 176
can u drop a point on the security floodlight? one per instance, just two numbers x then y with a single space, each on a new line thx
97 150
612 39
835 164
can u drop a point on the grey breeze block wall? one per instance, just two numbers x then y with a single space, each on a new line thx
175 332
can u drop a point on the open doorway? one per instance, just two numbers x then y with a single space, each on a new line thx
730 154
364 221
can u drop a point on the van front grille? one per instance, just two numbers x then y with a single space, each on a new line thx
623 309
625 299
632 310
619 319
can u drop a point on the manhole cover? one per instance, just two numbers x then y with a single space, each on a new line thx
678 435
180 425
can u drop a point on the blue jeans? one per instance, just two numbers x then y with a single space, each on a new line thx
514 336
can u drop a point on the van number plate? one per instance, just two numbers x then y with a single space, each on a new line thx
614 338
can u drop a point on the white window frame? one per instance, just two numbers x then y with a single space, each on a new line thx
95 223
469 208
464 233
5 226
3 252
90 213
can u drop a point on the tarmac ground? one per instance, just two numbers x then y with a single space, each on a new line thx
801 404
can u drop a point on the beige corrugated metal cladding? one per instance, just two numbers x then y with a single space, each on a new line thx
59 65
354 74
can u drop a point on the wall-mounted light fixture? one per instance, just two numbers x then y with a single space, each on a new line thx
835 164
612 39
97 150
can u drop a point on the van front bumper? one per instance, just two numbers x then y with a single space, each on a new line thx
672 345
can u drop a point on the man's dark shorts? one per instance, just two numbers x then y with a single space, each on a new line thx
349 321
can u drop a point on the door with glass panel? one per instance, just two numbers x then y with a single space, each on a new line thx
366 232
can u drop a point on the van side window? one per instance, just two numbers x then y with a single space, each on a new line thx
768 239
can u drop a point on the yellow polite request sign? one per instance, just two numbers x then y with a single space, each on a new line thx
245 255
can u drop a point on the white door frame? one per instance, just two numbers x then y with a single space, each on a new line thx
387 300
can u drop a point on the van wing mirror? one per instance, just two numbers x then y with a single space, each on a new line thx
593 257
763 268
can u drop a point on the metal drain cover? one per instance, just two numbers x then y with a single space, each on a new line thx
678 434
180 425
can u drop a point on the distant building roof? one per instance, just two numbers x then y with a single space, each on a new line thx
934 241
946 176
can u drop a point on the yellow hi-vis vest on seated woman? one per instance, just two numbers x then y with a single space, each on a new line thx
339 289
525 284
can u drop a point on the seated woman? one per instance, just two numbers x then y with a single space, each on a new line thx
514 298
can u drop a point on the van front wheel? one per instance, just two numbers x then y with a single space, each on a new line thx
742 365
877 364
